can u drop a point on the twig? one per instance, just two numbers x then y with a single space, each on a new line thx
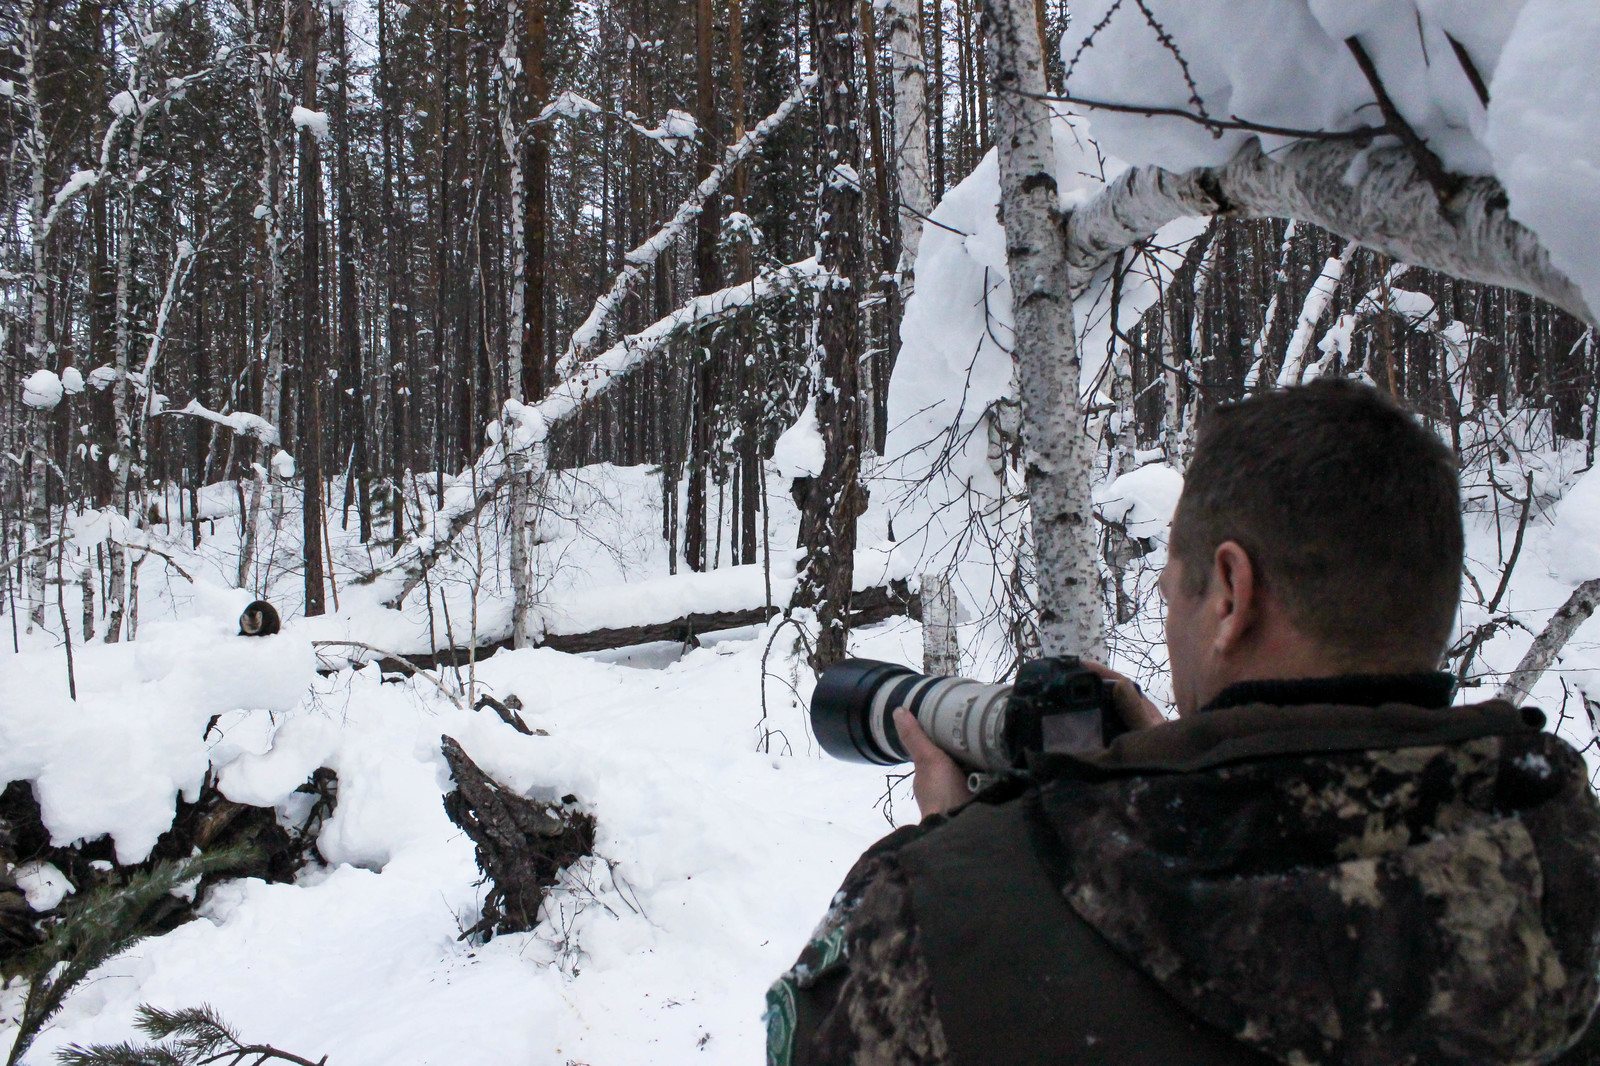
1428 164
1234 122
1470 68
1516 548
401 659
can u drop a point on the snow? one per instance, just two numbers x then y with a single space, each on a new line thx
42 389
715 856
1575 555
113 761
124 104
42 884
315 121
798 452
1544 132
677 127
251 425
283 464
80 180
1143 500
72 381
102 377
1285 63
569 105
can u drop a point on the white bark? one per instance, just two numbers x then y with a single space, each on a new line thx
1059 452
909 73
941 649
516 315
1297 356
1548 644
1280 280
33 146
1388 206
588 335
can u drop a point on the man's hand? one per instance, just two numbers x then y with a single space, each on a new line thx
1129 700
939 783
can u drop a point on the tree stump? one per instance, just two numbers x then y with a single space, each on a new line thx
522 844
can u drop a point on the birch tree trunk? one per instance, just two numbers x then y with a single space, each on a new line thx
835 499
34 147
909 73
117 594
1059 453
941 650
1548 644
516 317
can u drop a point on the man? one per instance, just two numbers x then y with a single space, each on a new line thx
1319 861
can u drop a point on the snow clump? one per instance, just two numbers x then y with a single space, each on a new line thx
315 121
799 452
42 390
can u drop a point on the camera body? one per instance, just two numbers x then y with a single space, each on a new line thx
1056 705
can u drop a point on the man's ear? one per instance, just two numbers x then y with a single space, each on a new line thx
1235 596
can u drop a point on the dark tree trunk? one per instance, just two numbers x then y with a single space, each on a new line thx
352 386
538 93
311 375
835 500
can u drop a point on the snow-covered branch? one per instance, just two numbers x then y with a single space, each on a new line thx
586 336
1376 197
526 429
239 421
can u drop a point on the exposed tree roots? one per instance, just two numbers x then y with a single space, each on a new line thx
523 844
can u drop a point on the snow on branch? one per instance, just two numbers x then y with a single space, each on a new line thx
1377 197
526 428
586 336
239 421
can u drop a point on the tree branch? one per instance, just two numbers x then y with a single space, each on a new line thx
1386 204
1548 644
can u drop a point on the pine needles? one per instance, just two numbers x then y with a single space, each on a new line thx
101 924
194 1036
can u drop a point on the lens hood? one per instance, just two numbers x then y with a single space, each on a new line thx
841 705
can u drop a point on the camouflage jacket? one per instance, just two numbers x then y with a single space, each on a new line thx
1321 883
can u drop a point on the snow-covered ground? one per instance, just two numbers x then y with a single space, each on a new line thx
721 836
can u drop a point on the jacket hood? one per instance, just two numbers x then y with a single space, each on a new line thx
1346 884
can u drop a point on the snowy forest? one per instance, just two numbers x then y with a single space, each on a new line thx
578 379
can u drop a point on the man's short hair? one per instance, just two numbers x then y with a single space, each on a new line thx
1349 508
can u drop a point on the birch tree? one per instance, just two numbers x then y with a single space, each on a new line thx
1059 453
909 73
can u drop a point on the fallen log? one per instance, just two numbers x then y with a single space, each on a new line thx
867 607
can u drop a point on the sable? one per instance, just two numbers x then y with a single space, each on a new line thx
260 619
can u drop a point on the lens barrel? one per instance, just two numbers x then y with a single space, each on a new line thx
853 705
842 707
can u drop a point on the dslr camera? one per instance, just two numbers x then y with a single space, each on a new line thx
1056 705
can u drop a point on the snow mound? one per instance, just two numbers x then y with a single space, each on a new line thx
1575 538
799 451
115 759
1143 500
